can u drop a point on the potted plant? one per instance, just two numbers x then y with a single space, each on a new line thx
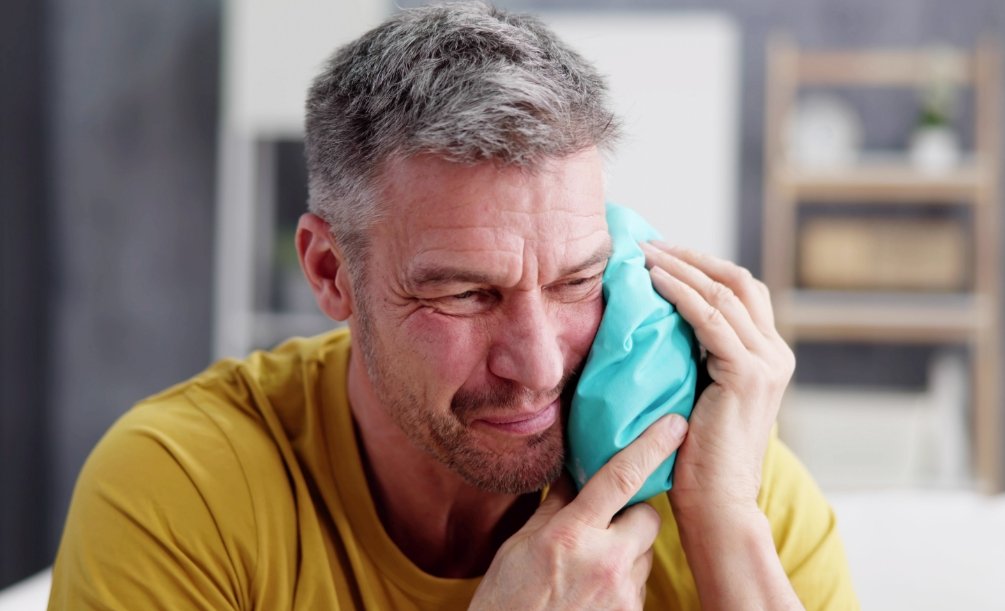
934 143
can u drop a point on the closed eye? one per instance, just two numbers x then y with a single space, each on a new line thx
576 289
465 303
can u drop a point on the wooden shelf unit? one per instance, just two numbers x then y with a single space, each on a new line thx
890 180
885 317
970 318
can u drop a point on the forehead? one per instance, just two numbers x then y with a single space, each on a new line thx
505 219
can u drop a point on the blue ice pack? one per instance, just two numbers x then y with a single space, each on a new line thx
643 363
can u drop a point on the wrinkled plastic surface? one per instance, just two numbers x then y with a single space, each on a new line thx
643 363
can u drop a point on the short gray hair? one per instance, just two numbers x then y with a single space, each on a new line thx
466 82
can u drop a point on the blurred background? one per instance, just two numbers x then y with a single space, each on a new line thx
847 151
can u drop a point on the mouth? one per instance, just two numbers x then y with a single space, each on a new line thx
527 423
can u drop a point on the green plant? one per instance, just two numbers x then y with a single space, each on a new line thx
938 94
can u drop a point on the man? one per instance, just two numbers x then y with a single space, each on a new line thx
457 223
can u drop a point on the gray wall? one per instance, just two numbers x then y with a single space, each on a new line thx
24 245
133 112
131 136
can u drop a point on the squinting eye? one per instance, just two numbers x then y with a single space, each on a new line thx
465 303
583 281
576 288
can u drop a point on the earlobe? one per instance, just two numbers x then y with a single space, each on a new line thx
324 267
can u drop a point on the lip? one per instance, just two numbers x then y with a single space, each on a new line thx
524 424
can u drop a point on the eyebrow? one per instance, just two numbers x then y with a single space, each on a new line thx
601 255
426 275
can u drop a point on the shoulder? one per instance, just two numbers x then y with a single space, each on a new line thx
182 490
193 499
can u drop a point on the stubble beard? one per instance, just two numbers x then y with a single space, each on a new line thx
447 437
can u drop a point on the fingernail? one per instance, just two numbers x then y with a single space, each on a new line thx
663 245
678 425
659 271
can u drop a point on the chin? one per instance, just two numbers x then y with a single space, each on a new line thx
513 470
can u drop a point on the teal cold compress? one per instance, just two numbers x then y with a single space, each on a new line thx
643 363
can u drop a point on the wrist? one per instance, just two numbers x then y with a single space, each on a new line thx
732 556
705 506
724 519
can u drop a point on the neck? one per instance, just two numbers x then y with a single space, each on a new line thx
445 526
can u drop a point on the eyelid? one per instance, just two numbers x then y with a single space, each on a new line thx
580 280
454 305
575 288
469 293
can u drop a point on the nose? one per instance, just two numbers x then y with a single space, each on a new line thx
527 348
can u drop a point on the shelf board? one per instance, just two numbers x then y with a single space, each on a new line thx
881 317
883 67
888 178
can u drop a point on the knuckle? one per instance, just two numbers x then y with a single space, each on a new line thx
741 276
712 316
653 522
757 291
610 571
738 276
628 599
644 509
563 538
627 476
788 361
719 295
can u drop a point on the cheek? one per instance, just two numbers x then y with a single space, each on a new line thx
448 349
580 324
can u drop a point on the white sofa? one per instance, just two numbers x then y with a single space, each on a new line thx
925 550
32 594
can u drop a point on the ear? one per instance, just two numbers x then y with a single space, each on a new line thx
324 267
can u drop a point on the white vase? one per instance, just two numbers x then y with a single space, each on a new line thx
934 149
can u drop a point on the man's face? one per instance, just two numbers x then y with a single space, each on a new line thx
481 298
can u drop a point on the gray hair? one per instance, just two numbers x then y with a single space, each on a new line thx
466 82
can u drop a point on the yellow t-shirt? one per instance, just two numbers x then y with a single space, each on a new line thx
242 488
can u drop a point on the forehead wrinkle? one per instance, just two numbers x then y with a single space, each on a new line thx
444 269
431 268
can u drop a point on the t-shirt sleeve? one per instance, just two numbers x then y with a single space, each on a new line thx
806 533
161 518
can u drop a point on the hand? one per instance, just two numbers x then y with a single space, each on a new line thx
719 464
575 552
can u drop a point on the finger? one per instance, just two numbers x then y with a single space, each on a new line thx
640 573
610 489
639 524
717 294
710 326
751 292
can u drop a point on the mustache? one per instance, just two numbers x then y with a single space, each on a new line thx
509 394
